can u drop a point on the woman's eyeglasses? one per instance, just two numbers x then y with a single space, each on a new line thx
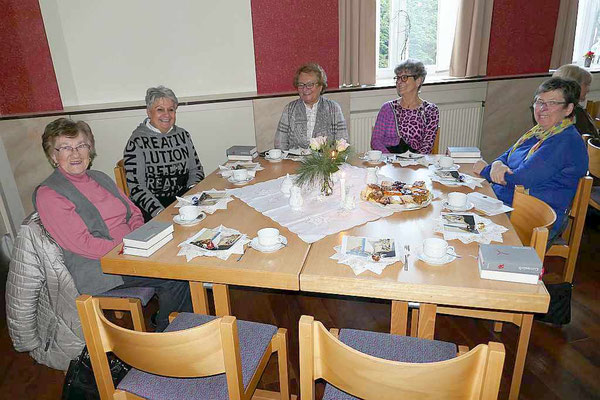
308 85
539 103
82 148
403 78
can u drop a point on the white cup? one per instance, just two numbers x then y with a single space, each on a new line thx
268 237
374 155
445 162
457 199
274 153
435 248
240 174
188 213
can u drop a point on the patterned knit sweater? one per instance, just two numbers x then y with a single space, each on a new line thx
159 167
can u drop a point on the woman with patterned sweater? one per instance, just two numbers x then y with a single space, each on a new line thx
160 159
409 122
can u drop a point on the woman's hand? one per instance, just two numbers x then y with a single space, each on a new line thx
479 166
498 172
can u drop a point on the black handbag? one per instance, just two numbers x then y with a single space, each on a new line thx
80 383
559 310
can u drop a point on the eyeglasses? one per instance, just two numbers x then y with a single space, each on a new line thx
549 104
82 148
403 78
308 85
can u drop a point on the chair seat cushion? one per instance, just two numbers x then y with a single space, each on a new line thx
142 293
595 194
391 347
254 340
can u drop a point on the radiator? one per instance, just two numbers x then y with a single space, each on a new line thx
460 125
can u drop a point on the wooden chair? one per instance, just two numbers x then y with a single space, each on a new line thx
592 107
372 365
436 144
594 168
120 178
193 346
567 247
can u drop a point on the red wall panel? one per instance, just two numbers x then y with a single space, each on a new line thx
27 79
289 33
522 36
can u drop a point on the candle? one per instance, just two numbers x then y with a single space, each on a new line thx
343 187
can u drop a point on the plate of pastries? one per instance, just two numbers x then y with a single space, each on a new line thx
397 195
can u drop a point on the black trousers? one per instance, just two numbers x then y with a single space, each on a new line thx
173 296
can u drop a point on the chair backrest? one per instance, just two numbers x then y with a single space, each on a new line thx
436 144
532 219
120 178
594 155
474 375
205 350
592 107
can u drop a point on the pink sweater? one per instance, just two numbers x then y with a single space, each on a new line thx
60 219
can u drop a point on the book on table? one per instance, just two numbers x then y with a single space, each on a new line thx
464 152
148 234
509 263
241 153
134 251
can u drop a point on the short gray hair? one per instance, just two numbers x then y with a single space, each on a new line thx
155 93
413 67
572 71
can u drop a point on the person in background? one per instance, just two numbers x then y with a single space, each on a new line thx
87 216
583 121
549 159
408 123
311 115
159 158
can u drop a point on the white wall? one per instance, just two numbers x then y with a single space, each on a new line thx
112 50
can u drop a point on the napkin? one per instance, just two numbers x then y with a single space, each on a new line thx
220 205
487 230
362 264
469 181
191 251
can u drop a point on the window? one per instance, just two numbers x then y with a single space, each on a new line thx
587 33
417 29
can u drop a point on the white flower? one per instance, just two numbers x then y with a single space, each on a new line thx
341 145
317 143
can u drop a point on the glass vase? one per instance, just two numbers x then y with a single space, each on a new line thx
326 185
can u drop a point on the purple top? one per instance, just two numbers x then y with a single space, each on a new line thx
416 127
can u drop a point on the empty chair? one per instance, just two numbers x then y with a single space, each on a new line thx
436 144
221 358
594 168
567 246
371 365
120 177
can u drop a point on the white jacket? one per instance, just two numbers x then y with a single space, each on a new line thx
40 299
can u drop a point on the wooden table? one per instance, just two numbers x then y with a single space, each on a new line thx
301 266
454 284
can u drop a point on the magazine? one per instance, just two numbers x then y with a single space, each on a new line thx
210 198
212 239
459 223
369 247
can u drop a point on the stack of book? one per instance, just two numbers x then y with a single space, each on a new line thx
509 263
148 238
462 155
241 153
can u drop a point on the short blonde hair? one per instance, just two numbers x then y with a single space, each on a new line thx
573 72
313 68
68 128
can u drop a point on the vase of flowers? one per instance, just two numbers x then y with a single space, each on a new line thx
324 159
588 58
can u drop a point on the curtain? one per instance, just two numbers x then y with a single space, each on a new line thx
472 38
564 36
357 42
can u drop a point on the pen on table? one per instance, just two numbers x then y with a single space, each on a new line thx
122 247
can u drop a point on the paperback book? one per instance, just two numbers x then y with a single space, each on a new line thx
375 249
148 234
134 251
241 153
464 152
509 263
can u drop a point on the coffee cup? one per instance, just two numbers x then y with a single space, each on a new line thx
274 153
374 155
240 174
435 248
445 162
188 213
457 199
268 237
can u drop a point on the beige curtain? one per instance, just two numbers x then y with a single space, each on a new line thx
564 36
472 38
357 42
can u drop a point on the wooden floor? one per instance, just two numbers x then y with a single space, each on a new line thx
562 363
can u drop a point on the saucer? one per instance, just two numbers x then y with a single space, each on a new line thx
454 167
374 162
410 156
436 261
466 207
274 160
240 183
177 219
268 249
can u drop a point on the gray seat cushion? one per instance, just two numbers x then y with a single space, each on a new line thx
142 293
391 347
254 339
